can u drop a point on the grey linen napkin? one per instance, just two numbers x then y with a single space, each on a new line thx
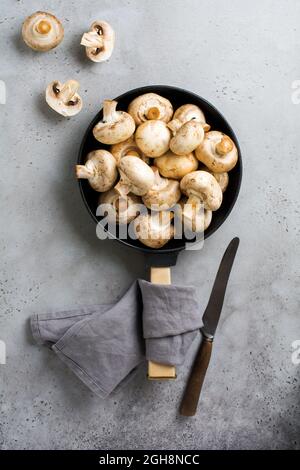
104 344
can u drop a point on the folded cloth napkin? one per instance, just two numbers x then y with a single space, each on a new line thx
104 344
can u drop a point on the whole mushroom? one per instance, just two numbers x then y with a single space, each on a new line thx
186 137
153 138
42 31
100 170
135 176
150 106
189 112
202 188
154 230
125 208
115 127
99 41
163 195
63 97
128 147
176 166
193 215
218 152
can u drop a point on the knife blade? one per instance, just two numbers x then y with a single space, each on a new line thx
211 316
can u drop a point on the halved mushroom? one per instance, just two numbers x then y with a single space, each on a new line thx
115 127
128 147
100 170
154 230
63 97
125 208
135 176
176 166
153 138
186 138
202 188
194 217
99 41
150 106
186 113
218 152
42 31
163 195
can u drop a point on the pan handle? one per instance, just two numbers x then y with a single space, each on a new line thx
158 371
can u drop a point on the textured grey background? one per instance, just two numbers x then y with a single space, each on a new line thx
243 57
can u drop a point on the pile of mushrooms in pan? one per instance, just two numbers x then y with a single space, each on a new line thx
161 159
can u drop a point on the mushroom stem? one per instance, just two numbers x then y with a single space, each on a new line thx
122 188
109 110
224 146
68 90
174 125
43 27
83 172
153 113
92 39
194 200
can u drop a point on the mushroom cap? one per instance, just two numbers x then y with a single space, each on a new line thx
63 97
176 166
191 112
115 127
136 176
194 217
128 147
42 31
218 152
125 208
150 106
154 230
222 178
202 185
163 195
153 138
188 137
99 42
100 170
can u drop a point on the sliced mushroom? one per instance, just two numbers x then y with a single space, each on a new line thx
115 127
150 106
100 170
193 215
202 188
163 195
186 113
128 147
125 208
218 152
63 97
154 230
135 176
186 138
176 166
153 138
99 42
42 31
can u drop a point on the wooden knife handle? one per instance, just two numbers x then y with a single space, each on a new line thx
189 403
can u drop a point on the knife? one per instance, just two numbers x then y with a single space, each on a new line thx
211 316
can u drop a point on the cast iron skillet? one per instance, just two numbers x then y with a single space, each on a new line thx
167 255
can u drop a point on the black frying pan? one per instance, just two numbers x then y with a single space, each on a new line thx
167 255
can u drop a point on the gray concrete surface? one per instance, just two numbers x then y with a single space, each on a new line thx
243 57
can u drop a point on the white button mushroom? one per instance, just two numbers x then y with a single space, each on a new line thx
100 170
42 31
189 112
150 106
115 127
154 230
99 41
125 208
135 176
163 195
202 188
187 137
176 166
222 178
153 138
218 152
194 217
128 147
63 97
